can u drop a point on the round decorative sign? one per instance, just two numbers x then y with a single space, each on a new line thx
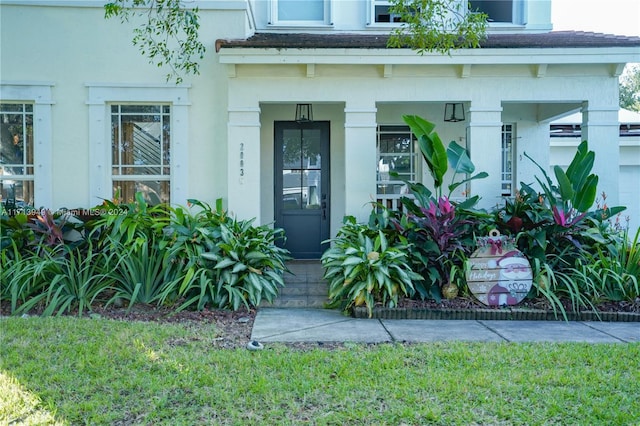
498 273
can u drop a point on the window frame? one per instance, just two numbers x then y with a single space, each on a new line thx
508 160
415 159
100 99
371 14
38 94
518 15
275 21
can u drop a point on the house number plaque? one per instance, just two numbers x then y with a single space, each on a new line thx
241 159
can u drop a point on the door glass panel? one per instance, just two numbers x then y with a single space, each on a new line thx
291 156
301 174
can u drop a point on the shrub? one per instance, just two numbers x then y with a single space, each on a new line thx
364 268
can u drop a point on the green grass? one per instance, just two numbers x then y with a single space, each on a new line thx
96 371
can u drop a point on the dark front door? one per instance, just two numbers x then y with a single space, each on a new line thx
302 186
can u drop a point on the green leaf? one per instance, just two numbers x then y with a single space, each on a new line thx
587 195
564 184
459 159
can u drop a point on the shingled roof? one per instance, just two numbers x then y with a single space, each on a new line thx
554 39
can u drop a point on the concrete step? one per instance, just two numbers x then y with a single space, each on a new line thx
304 286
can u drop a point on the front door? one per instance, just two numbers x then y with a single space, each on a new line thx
302 186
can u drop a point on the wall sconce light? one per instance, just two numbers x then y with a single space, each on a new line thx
304 113
454 112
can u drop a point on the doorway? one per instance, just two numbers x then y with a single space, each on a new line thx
302 202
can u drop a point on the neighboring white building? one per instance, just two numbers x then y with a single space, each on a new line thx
566 135
89 115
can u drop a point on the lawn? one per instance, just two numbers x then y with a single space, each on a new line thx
97 371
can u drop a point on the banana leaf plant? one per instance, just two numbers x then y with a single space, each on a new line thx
440 160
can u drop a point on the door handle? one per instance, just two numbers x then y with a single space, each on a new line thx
324 210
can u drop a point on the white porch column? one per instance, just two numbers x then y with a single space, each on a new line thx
360 159
601 129
485 136
243 162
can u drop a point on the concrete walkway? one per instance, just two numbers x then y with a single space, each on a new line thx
324 325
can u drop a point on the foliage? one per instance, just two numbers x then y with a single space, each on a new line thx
437 25
126 223
630 88
441 239
169 37
138 253
247 266
441 231
15 235
140 274
439 159
364 268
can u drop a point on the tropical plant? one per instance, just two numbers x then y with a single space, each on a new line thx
439 158
441 231
21 275
126 222
140 274
246 264
74 278
364 269
15 234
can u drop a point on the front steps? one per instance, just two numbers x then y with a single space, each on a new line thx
304 286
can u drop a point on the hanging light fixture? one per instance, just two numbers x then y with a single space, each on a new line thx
453 112
304 113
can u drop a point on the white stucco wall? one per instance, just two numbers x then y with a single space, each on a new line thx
74 47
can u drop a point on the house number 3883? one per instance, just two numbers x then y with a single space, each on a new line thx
241 159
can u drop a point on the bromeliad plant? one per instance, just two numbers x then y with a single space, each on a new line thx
363 267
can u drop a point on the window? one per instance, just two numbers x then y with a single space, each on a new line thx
380 13
140 144
16 155
396 148
508 172
300 12
500 11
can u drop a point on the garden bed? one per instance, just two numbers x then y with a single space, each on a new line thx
467 309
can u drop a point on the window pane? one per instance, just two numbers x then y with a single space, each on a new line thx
497 10
507 160
301 10
141 149
396 153
154 192
16 154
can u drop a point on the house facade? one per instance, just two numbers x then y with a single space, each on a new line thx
84 116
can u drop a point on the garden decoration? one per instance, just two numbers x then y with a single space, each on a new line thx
498 273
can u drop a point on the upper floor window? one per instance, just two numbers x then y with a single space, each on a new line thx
300 12
500 11
380 13
141 151
16 155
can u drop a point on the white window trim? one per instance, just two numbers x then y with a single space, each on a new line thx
275 22
38 94
371 15
100 97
